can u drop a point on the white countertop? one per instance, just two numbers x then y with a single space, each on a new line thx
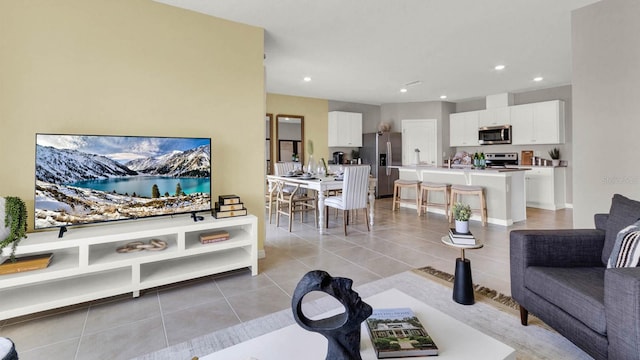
463 170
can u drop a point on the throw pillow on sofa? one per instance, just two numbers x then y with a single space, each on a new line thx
623 213
626 250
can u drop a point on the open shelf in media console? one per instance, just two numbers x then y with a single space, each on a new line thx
190 267
105 253
63 263
21 300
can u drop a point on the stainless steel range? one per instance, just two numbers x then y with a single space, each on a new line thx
500 160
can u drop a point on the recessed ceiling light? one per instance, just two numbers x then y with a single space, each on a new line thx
403 90
538 78
443 97
307 79
499 67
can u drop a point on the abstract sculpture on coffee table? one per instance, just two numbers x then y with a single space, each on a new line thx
341 330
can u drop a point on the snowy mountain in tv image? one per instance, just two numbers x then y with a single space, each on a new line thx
191 163
85 179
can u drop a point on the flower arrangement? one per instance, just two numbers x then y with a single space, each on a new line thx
461 212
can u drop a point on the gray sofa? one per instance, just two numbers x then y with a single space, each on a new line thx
561 277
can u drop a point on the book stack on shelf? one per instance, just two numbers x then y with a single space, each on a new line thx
229 206
461 238
397 332
213 237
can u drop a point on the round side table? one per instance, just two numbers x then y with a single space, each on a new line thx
462 283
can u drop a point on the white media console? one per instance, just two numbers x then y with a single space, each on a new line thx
85 265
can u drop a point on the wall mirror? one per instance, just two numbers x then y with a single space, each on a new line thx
289 134
268 150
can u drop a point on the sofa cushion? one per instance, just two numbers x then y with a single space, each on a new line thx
579 291
623 213
626 250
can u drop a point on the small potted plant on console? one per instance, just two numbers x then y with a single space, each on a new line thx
461 214
555 156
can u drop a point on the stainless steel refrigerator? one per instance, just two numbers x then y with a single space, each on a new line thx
383 151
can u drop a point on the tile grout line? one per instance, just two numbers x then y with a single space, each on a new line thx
164 324
84 327
226 299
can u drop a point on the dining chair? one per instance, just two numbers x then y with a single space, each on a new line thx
270 198
282 168
288 202
355 189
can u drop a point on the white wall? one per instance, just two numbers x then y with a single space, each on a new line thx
606 100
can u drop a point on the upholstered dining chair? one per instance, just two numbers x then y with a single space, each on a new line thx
288 202
282 168
354 194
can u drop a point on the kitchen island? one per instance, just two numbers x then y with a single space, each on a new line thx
504 189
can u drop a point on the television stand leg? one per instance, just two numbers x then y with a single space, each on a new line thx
195 217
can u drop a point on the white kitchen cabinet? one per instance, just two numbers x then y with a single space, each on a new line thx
463 128
494 117
85 265
538 123
345 129
545 187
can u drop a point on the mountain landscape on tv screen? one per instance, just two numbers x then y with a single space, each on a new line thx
85 179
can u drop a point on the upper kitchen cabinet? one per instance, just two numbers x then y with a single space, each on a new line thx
538 123
345 129
463 128
494 117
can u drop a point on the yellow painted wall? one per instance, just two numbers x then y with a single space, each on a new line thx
315 112
131 67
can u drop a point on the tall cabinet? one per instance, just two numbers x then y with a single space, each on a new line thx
345 129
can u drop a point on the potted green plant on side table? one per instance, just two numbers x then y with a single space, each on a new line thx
13 223
461 214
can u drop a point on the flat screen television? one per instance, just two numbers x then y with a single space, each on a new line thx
84 179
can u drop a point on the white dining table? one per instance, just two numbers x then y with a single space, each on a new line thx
321 185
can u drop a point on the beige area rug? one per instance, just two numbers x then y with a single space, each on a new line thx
533 342
482 294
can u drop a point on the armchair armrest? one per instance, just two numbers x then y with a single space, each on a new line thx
552 248
557 248
622 309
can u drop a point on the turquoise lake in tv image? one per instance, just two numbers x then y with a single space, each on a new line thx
142 185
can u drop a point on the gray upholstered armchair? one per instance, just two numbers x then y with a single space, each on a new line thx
561 276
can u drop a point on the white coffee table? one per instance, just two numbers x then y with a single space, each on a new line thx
455 340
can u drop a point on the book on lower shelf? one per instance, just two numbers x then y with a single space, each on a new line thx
215 236
26 263
397 332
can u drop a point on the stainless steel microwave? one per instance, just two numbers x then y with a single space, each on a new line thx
494 135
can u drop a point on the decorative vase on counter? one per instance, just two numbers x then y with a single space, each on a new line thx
555 162
462 226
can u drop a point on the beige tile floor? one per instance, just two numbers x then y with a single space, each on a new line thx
123 327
